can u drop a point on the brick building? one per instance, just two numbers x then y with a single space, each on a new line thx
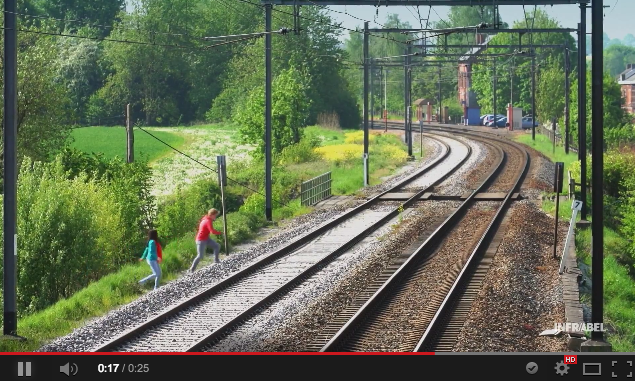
467 98
627 82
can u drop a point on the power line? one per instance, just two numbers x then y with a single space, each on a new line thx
251 37
346 13
325 23
144 43
100 26
208 167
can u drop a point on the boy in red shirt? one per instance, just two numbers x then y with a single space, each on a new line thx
203 240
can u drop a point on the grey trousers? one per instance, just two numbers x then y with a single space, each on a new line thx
200 251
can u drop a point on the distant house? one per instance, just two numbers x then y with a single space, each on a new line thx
627 82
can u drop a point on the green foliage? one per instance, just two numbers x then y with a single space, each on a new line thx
514 72
42 102
73 230
550 93
99 12
302 152
289 110
81 70
182 211
616 57
130 184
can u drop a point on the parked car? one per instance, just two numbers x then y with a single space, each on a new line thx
527 122
486 118
500 121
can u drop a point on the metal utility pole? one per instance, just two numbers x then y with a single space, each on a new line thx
566 98
366 64
372 98
405 91
534 120
268 79
582 111
409 99
10 168
386 100
440 101
494 93
597 103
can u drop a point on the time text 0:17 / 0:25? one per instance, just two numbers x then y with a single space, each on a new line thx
123 368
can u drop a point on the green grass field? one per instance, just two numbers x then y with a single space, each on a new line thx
111 142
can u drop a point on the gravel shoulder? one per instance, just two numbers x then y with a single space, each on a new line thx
522 293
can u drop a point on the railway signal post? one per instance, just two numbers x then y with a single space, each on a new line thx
557 187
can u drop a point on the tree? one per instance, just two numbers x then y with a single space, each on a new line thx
514 71
289 112
316 49
616 57
550 93
81 71
614 115
629 40
93 12
42 102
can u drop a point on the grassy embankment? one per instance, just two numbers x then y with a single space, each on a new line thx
619 285
341 153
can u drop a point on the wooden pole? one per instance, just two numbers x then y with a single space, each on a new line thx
130 136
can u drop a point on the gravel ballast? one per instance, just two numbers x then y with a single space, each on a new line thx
293 322
522 292
432 150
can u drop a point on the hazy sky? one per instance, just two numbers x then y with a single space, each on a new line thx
618 21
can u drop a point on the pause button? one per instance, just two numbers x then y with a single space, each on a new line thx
24 369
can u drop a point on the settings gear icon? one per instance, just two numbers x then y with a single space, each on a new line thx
562 368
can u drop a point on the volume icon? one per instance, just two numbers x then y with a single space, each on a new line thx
69 369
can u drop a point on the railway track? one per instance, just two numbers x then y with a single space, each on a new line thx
435 326
213 313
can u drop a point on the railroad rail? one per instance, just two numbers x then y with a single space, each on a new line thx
213 313
459 287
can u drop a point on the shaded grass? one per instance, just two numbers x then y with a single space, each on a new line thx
111 142
619 290
619 286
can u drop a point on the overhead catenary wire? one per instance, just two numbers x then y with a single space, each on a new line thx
143 42
208 167
325 23
345 13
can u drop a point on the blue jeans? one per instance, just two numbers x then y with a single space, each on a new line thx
156 274
200 251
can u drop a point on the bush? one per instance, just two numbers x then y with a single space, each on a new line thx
129 183
72 229
302 152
